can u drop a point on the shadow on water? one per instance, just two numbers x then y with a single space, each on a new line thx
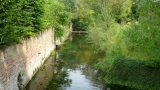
43 76
60 77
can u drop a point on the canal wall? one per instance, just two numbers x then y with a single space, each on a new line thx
19 63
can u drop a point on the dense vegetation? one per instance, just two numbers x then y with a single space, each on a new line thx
25 18
128 32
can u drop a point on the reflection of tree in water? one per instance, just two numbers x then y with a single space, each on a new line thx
79 55
93 75
79 51
60 78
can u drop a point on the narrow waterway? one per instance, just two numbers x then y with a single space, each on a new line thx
74 66
73 70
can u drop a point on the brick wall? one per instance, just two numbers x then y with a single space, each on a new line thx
24 59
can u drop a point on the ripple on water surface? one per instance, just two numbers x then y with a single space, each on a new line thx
80 82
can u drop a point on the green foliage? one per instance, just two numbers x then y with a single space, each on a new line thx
59 78
83 17
19 19
132 73
80 24
128 29
62 17
25 18
142 38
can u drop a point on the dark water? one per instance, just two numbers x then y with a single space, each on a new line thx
43 76
73 70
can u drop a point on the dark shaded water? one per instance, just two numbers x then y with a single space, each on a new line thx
74 69
43 76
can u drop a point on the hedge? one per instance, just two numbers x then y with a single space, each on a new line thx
25 18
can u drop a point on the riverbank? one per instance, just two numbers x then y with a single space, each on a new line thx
43 76
20 62
121 73
77 60
131 73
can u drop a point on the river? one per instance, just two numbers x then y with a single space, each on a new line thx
73 70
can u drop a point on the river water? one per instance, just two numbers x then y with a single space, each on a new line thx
73 70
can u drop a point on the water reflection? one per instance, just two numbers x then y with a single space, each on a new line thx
43 76
81 82
80 57
60 77
74 69
76 58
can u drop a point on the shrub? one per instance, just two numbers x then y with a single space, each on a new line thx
25 18
128 29
19 19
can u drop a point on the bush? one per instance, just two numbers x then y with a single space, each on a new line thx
133 73
80 24
62 17
83 17
25 18
141 39
128 29
19 19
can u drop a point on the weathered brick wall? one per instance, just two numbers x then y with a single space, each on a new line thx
24 59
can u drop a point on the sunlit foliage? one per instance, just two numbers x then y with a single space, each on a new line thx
128 31
24 18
